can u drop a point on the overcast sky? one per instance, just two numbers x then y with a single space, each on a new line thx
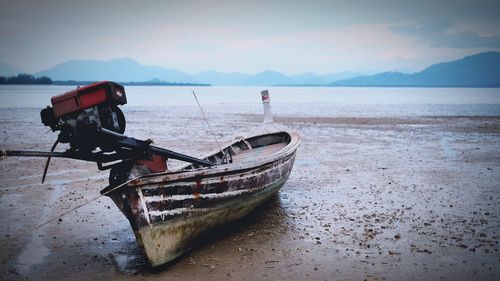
249 36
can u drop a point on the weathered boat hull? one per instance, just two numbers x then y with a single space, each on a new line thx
164 242
170 211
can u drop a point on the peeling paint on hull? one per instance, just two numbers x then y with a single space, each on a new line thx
170 211
165 242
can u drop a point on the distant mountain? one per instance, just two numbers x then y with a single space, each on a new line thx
128 70
8 69
125 70
221 79
329 78
314 79
268 78
309 78
481 70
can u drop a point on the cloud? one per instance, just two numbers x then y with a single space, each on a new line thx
248 36
440 34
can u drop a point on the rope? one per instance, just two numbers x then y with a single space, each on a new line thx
206 120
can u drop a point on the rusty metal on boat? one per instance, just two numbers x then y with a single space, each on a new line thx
169 211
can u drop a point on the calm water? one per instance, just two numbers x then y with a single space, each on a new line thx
289 100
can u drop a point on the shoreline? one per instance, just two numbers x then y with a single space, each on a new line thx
369 198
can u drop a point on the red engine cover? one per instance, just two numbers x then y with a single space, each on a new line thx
82 98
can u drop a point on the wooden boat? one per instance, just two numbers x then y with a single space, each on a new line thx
169 211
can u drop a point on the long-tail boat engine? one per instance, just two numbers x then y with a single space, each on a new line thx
80 113
90 121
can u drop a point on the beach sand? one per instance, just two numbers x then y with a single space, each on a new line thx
386 198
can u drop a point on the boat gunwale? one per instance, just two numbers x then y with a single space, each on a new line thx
223 169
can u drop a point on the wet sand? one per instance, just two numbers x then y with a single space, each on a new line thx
387 198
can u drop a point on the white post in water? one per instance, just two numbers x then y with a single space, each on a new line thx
268 115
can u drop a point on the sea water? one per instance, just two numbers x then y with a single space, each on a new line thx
288 101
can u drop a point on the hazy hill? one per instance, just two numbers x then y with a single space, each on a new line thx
125 70
481 70
268 78
329 78
8 69
309 78
128 70
222 79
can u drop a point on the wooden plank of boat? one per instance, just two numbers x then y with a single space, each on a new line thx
169 211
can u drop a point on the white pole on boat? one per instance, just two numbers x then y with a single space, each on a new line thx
268 115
